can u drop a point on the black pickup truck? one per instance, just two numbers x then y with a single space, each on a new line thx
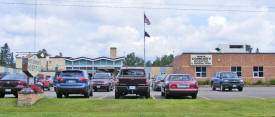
132 81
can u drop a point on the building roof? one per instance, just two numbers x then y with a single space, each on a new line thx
225 53
94 59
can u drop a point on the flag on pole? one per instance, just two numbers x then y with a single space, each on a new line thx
146 34
146 20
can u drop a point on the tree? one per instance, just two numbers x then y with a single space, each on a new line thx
148 63
132 60
248 48
164 60
6 57
60 55
42 53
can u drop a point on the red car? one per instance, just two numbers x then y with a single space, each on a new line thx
179 85
46 82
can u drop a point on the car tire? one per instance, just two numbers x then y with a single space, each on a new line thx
147 95
162 94
91 93
16 95
213 88
87 94
58 95
194 96
2 95
108 89
222 87
117 95
167 96
49 88
240 89
66 95
230 89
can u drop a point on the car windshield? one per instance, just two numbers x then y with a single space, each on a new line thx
158 78
39 77
180 78
132 72
101 76
229 75
15 77
71 74
2 75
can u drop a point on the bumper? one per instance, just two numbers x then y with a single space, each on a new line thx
99 86
157 86
138 90
182 91
233 85
71 90
12 90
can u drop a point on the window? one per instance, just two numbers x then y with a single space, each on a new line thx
237 69
258 71
201 72
69 68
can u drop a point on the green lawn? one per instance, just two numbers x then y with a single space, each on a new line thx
138 108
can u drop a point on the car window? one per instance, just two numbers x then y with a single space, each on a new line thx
229 75
132 72
180 78
101 76
15 77
71 74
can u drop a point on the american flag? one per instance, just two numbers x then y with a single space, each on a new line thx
146 20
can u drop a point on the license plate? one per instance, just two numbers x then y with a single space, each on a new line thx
183 86
7 90
234 85
71 81
97 86
132 87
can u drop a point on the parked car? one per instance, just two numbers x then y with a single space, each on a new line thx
74 82
45 81
156 85
103 81
3 74
229 80
12 83
132 81
179 85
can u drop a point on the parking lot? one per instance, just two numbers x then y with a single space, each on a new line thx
204 93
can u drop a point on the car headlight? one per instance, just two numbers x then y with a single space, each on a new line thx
226 80
241 80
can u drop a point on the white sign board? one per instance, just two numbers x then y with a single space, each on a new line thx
200 60
31 65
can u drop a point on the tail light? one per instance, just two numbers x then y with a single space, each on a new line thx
21 83
173 86
60 79
82 79
158 82
194 85
147 82
117 82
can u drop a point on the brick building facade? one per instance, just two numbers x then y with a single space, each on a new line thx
250 66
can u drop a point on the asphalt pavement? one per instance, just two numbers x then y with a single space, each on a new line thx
204 93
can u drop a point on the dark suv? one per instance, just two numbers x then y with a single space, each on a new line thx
132 81
73 82
225 80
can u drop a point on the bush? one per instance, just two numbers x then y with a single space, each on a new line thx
206 82
246 83
272 82
259 82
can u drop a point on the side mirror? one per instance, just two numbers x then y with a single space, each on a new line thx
161 80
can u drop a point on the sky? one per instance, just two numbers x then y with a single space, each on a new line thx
90 27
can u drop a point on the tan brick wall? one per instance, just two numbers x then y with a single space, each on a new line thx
28 99
223 62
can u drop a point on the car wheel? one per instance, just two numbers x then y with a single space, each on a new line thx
213 88
194 96
108 89
222 87
2 95
16 95
240 89
58 95
66 95
117 95
49 88
162 94
167 96
87 94
230 89
91 93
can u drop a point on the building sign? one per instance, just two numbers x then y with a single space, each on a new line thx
31 65
200 60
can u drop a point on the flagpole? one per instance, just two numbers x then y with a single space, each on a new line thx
144 37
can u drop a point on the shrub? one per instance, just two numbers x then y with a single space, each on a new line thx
201 82
206 82
272 82
259 82
246 83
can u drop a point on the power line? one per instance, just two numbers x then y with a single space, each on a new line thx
135 7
